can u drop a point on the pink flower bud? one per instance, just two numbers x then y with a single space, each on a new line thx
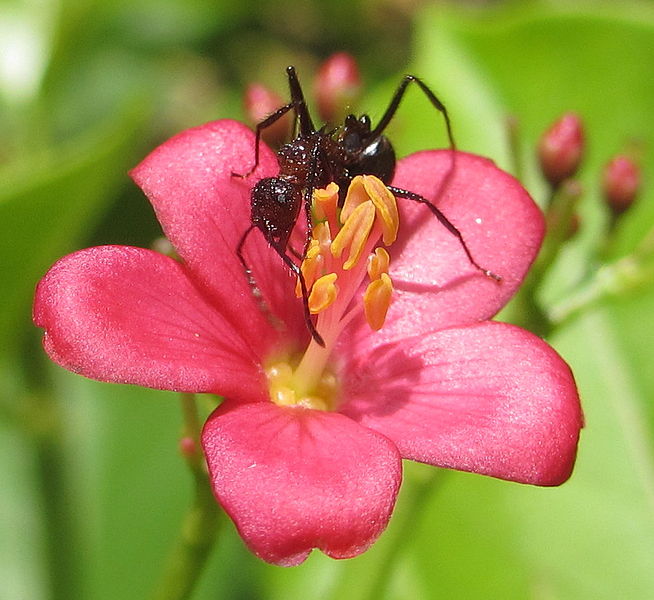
620 183
187 447
561 148
258 103
337 86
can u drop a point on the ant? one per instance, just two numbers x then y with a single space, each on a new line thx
316 157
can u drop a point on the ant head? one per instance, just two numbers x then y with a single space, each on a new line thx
275 206
355 132
361 125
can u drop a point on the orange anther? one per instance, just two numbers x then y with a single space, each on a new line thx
376 300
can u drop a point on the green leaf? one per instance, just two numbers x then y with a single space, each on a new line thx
541 62
127 482
48 205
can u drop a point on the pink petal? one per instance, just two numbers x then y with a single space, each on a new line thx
204 211
490 398
130 315
436 285
293 479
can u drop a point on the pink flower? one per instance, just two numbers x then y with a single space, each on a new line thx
439 383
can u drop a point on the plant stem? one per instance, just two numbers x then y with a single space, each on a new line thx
629 274
200 525
404 521
525 309
513 136
44 422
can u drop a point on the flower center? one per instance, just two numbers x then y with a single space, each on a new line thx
341 256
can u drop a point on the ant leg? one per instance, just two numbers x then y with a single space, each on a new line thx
267 122
305 295
297 99
308 196
298 104
256 292
397 98
447 224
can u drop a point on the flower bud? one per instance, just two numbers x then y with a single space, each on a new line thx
258 103
187 447
337 86
620 183
560 148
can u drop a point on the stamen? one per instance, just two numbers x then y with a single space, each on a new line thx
369 214
356 195
386 206
378 263
312 266
322 234
323 293
325 202
285 390
354 234
376 300
283 396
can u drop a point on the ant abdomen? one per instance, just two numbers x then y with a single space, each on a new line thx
376 158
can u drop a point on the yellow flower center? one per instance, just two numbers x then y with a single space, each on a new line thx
342 254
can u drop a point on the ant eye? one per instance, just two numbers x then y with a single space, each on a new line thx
365 121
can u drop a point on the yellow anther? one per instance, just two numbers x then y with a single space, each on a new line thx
323 293
378 263
312 268
322 234
354 234
356 195
314 264
325 201
364 188
386 206
376 300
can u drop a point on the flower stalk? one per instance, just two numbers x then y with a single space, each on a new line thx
624 276
525 309
200 525
407 519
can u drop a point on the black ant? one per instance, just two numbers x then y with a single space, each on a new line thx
317 157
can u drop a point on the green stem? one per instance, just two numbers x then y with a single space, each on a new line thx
200 525
525 309
513 137
60 526
629 274
404 522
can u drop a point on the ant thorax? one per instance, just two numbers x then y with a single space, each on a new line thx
317 160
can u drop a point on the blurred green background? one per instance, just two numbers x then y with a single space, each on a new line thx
93 487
